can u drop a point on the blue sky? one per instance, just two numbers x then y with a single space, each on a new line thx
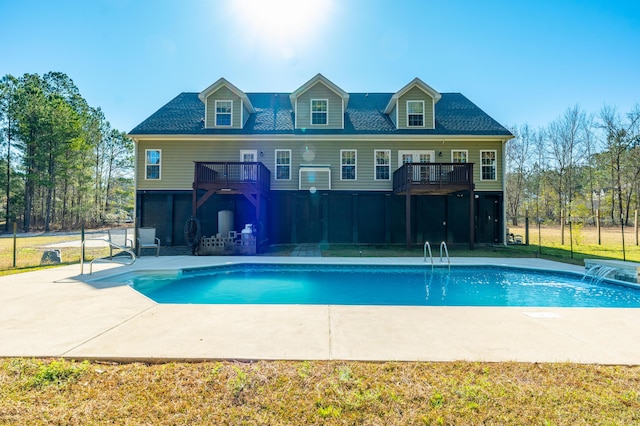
521 62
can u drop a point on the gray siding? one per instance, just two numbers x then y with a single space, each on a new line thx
245 114
415 94
315 178
335 119
393 115
178 158
224 94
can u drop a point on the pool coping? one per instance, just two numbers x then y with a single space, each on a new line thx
58 313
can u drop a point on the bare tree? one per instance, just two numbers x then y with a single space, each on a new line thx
591 147
518 153
566 137
622 139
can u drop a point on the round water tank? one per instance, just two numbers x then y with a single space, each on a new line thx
225 222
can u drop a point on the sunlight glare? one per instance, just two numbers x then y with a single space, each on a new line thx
283 26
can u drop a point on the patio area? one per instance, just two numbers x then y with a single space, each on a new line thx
58 313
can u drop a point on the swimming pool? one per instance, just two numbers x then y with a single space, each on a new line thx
248 283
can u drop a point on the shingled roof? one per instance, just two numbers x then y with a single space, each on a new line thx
454 115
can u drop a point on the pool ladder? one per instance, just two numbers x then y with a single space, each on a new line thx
443 246
446 251
428 246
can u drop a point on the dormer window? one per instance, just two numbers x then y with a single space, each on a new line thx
319 111
223 113
415 113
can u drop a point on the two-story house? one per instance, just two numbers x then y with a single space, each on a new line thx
320 164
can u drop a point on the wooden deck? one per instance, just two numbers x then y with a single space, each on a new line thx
235 177
251 179
433 178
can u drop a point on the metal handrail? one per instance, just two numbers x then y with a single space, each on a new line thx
427 245
103 259
443 244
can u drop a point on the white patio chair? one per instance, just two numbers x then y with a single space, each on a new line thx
121 238
147 239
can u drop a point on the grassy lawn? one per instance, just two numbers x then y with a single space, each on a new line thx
336 392
318 392
585 245
29 251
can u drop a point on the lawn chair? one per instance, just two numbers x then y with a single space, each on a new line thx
147 239
121 238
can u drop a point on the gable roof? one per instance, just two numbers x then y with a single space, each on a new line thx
319 78
416 82
454 115
222 82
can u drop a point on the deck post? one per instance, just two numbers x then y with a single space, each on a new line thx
472 201
407 204
193 201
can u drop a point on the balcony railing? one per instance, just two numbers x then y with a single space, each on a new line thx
234 176
433 177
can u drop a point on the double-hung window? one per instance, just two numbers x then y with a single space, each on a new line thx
382 164
415 113
152 159
223 113
487 165
319 109
348 159
283 164
459 156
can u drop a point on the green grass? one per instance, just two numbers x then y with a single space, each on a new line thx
29 251
43 392
398 250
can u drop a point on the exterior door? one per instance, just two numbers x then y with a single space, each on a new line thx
248 156
309 220
248 172
488 217
420 173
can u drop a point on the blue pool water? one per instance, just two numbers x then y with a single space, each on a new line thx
380 285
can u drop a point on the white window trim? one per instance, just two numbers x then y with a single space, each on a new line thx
417 171
311 168
423 112
416 153
275 160
146 176
375 164
466 154
215 118
355 174
495 165
253 152
311 112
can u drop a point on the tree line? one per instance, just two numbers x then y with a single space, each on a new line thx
62 165
578 167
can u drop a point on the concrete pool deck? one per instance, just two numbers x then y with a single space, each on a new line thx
59 313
